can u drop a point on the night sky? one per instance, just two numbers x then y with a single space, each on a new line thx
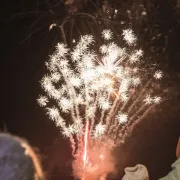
26 43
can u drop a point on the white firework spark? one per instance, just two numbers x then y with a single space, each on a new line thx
129 36
99 130
90 88
107 34
158 74
42 101
148 100
96 84
123 118
157 99
53 113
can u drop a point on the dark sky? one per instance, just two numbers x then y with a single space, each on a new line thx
154 141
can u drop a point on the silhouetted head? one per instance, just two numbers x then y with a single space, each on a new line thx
18 161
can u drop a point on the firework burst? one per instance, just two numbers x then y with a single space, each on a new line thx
99 95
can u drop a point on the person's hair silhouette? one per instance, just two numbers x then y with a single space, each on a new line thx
18 161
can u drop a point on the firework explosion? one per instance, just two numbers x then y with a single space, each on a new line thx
98 97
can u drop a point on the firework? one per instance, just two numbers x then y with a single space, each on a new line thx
98 97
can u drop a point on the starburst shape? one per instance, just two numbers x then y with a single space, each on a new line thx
61 49
157 99
158 74
99 130
123 118
107 34
129 36
148 100
53 113
90 83
66 132
42 101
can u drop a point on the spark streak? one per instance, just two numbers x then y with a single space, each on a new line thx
85 144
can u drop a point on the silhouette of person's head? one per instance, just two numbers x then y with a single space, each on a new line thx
18 161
